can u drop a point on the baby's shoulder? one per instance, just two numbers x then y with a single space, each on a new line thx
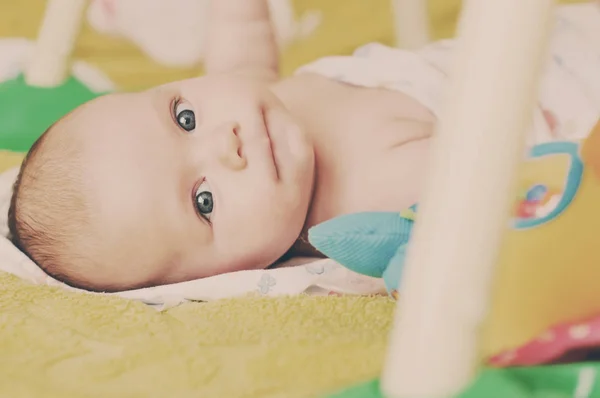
345 115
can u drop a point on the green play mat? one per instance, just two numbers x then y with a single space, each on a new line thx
578 380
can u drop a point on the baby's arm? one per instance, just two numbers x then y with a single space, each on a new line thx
241 39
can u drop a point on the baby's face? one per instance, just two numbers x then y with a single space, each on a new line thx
193 179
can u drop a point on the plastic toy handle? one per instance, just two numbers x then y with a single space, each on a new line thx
411 23
573 178
49 65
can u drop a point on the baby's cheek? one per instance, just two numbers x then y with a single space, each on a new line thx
264 243
254 255
259 227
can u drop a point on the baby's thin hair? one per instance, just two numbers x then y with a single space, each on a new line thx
47 209
16 228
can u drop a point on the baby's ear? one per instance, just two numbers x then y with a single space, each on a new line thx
590 151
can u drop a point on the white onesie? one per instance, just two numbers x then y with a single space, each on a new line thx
569 99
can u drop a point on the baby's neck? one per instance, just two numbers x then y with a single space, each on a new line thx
370 148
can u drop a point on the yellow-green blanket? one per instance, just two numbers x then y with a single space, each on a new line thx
55 343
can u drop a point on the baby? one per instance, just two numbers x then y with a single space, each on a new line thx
228 171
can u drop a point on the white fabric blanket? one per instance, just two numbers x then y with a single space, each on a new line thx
295 277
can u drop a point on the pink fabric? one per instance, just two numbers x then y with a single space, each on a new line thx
565 342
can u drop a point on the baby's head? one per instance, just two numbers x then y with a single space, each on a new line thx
183 181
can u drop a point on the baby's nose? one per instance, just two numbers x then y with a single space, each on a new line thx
229 146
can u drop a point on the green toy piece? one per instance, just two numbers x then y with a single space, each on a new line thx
366 390
27 111
556 381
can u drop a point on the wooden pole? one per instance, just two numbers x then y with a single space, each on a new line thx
50 63
479 143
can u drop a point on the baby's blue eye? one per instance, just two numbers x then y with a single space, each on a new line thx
185 116
204 201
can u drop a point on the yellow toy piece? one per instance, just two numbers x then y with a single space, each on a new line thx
549 266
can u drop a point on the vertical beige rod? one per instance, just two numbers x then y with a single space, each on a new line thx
475 154
49 65
411 23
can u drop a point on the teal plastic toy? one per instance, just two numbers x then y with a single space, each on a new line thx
27 111
369 243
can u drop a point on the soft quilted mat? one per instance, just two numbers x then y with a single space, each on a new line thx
55 343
